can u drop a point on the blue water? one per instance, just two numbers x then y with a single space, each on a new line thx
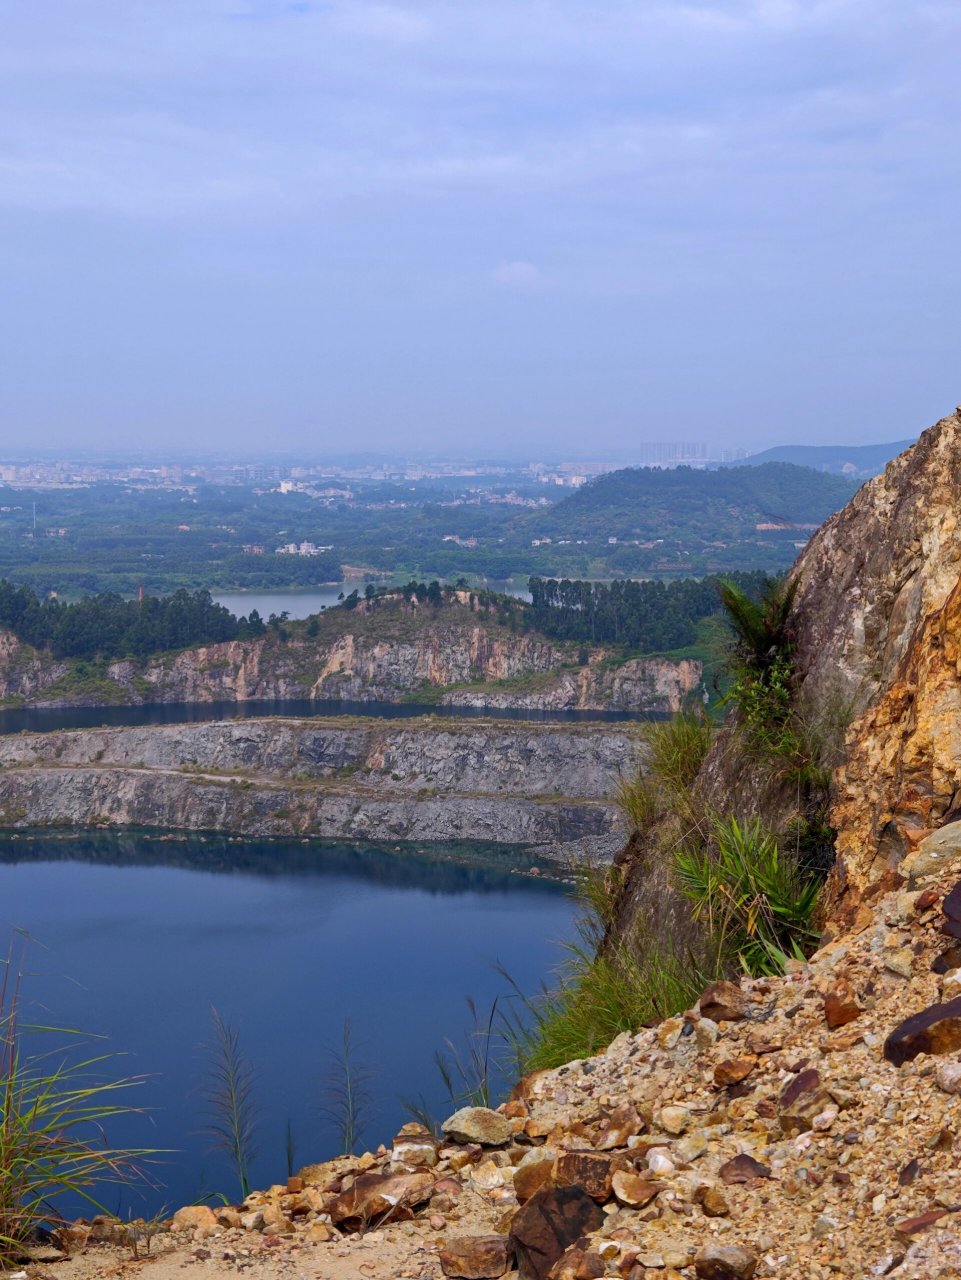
48 719
138 936
301 604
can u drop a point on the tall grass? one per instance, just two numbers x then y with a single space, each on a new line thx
756 904
467 1070
229 1094
638 800
54 1106
348 1099
677 747
675 752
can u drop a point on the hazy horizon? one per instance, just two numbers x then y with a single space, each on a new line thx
496 230
626 456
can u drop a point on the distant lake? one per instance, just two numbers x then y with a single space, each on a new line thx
301 604
137 936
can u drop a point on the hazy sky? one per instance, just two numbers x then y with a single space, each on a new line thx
478 224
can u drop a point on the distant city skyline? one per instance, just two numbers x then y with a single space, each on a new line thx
505 229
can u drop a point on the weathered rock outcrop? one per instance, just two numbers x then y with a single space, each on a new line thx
542 785
385 656
878 614
652 684
877 618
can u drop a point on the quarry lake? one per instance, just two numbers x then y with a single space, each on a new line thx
136 937
48 719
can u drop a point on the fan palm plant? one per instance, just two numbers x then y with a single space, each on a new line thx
756 904
762 629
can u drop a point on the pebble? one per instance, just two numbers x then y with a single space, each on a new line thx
949 1077
674 1120
900 962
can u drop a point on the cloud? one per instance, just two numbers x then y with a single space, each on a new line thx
716 177
517 276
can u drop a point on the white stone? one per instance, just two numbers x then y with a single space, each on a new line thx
949 1077
659 1162
825 1118
706 1032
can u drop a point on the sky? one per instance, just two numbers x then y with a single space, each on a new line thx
488 227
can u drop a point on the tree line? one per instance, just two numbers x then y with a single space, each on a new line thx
647 616
110 626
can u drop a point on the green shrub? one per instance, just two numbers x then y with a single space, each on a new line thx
764 699
761 661
756 905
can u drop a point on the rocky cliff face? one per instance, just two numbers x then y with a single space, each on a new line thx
879 608
385 657
649 684
545 785
878 624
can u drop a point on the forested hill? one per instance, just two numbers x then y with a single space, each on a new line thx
642 502
862 460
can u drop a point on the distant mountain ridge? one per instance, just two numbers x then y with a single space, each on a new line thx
857 461
641 502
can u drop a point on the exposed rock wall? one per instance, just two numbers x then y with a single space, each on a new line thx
655 684
548 786
878 625
380 658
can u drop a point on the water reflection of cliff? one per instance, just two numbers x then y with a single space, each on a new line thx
442 868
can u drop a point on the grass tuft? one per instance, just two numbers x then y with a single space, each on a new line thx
54 1106
230 1095
600 991
675 752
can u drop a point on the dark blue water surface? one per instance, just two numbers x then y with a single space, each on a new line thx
137 936
48 719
